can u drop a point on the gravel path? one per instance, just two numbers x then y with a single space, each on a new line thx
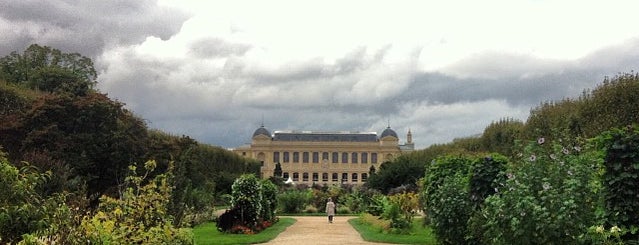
317 230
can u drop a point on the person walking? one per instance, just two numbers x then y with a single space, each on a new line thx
330 210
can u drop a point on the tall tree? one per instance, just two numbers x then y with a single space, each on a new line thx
49 69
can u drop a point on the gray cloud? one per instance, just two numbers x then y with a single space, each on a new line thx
215 92
84 26
215 47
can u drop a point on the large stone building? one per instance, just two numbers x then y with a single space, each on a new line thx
324 157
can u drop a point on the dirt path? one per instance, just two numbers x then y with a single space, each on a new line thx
317 230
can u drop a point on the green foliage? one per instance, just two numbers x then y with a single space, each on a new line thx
486 175
247 196
399 210
49 69
621 178
293 201
550 197
269 200
402 171
447 198
22 208
500 136
139 216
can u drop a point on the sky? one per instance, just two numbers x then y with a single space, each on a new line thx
217 70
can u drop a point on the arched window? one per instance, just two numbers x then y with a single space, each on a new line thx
325 177
324 156
364 177
285 175
364 157
305 177
354 178
315 177
373 157
344 157
335 157
334 177
344 177
354 157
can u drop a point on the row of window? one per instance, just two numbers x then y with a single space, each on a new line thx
334 157
315 177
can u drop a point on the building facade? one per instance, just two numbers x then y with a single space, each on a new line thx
324 157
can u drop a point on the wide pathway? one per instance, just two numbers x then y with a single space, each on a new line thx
317 230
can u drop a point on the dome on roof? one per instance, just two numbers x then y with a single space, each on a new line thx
262 131
389 132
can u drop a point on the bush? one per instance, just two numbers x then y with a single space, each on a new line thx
447 201
269 200
293 201
621 178
138 217
247 196
550 197
343 210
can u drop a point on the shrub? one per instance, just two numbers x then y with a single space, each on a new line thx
293 201
246 195
269 200
447 201
138 217
343 210
550 197
310 209
621 178
22 209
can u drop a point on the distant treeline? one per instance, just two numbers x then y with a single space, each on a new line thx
613 103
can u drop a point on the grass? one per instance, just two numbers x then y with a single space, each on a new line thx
207 233
372 233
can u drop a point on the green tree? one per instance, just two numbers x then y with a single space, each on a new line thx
49 69
401 171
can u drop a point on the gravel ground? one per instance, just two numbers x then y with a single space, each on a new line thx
317 230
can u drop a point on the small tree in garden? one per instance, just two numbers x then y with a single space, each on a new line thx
246 194
621 178
253 205
269 200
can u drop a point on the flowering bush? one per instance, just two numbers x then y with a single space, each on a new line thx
549 197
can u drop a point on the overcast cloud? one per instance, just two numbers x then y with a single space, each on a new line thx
213 70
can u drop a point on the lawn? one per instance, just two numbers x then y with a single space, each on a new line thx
417 235
207 233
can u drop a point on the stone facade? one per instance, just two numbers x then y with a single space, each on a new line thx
323 157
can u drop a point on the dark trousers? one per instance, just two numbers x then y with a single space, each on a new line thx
330 218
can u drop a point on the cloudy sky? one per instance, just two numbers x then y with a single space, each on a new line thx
215 70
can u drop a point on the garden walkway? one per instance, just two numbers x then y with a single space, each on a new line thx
317 230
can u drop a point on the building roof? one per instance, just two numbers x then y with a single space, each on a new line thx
388 132
261 131
330 136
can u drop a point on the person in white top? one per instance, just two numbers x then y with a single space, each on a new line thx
330 210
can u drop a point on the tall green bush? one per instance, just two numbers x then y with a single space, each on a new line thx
246 194
621 179
446 195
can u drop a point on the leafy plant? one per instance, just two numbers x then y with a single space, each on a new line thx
550 197
621 178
